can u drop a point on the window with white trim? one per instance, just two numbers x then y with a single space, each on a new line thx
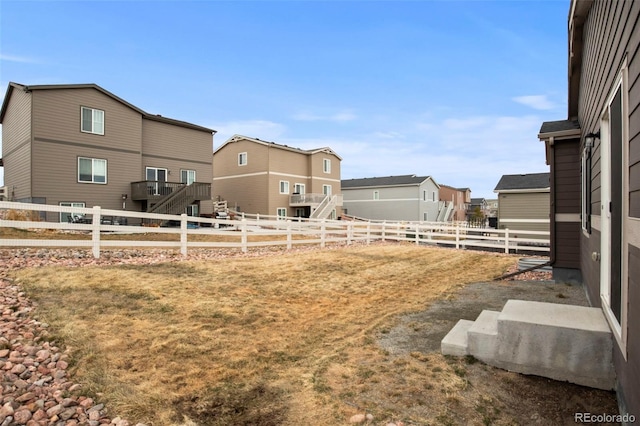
65 216
298 188
281 212
376 195
326 165
187 176
242 159
92 170
92 120
284 186
326 189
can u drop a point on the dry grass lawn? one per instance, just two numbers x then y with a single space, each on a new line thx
287 339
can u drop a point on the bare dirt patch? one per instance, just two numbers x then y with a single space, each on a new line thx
308 337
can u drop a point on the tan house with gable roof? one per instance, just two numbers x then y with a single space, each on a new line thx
79 145
259 177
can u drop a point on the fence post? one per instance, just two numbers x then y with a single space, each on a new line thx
243 235
95 231
506 240
323 232
458 236
257 217
417 233
289 234
183 234
384 222
349 233
368 232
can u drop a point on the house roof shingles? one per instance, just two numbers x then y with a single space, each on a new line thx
523 182
559 126
385 181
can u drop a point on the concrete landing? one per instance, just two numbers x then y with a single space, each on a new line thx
562 342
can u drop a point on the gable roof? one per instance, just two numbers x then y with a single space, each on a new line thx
532 182
402 180
559 128
238 138
17 86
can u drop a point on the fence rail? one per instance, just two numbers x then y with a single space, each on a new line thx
197 232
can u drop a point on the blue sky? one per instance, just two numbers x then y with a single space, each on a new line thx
452 89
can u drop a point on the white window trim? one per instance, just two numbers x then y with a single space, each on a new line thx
93 120
187 170
246 159
301 188
280 210
376 195
285 184
93 160
327 189
619 329
326 165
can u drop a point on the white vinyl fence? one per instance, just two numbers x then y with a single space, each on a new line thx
196 232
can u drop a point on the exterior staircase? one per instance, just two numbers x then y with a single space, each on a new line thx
444 211
177 201
561 342
326 207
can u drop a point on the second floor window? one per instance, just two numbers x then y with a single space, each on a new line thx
187 176
284 187
92 121
326 165
242 159
298 188
92 170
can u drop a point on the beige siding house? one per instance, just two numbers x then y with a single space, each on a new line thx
460 199
523 202
80 145
259 177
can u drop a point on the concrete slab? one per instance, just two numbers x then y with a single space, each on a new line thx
562 342
482 336
455 342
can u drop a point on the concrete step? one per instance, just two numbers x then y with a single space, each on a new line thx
561 342
455 342
482 335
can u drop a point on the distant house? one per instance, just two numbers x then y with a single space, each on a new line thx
405 197
260 177
477 206
523 202
492 207
79 145
459 197
594 156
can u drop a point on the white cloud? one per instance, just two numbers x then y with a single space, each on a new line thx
540 102
20 59
342 116
262 129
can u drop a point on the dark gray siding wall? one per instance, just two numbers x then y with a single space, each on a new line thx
16 146
611 35
565 204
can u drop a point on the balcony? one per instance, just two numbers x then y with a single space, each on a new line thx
311 200
153 191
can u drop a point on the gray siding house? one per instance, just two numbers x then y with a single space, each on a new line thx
523 202
594 155
80 145
406 197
